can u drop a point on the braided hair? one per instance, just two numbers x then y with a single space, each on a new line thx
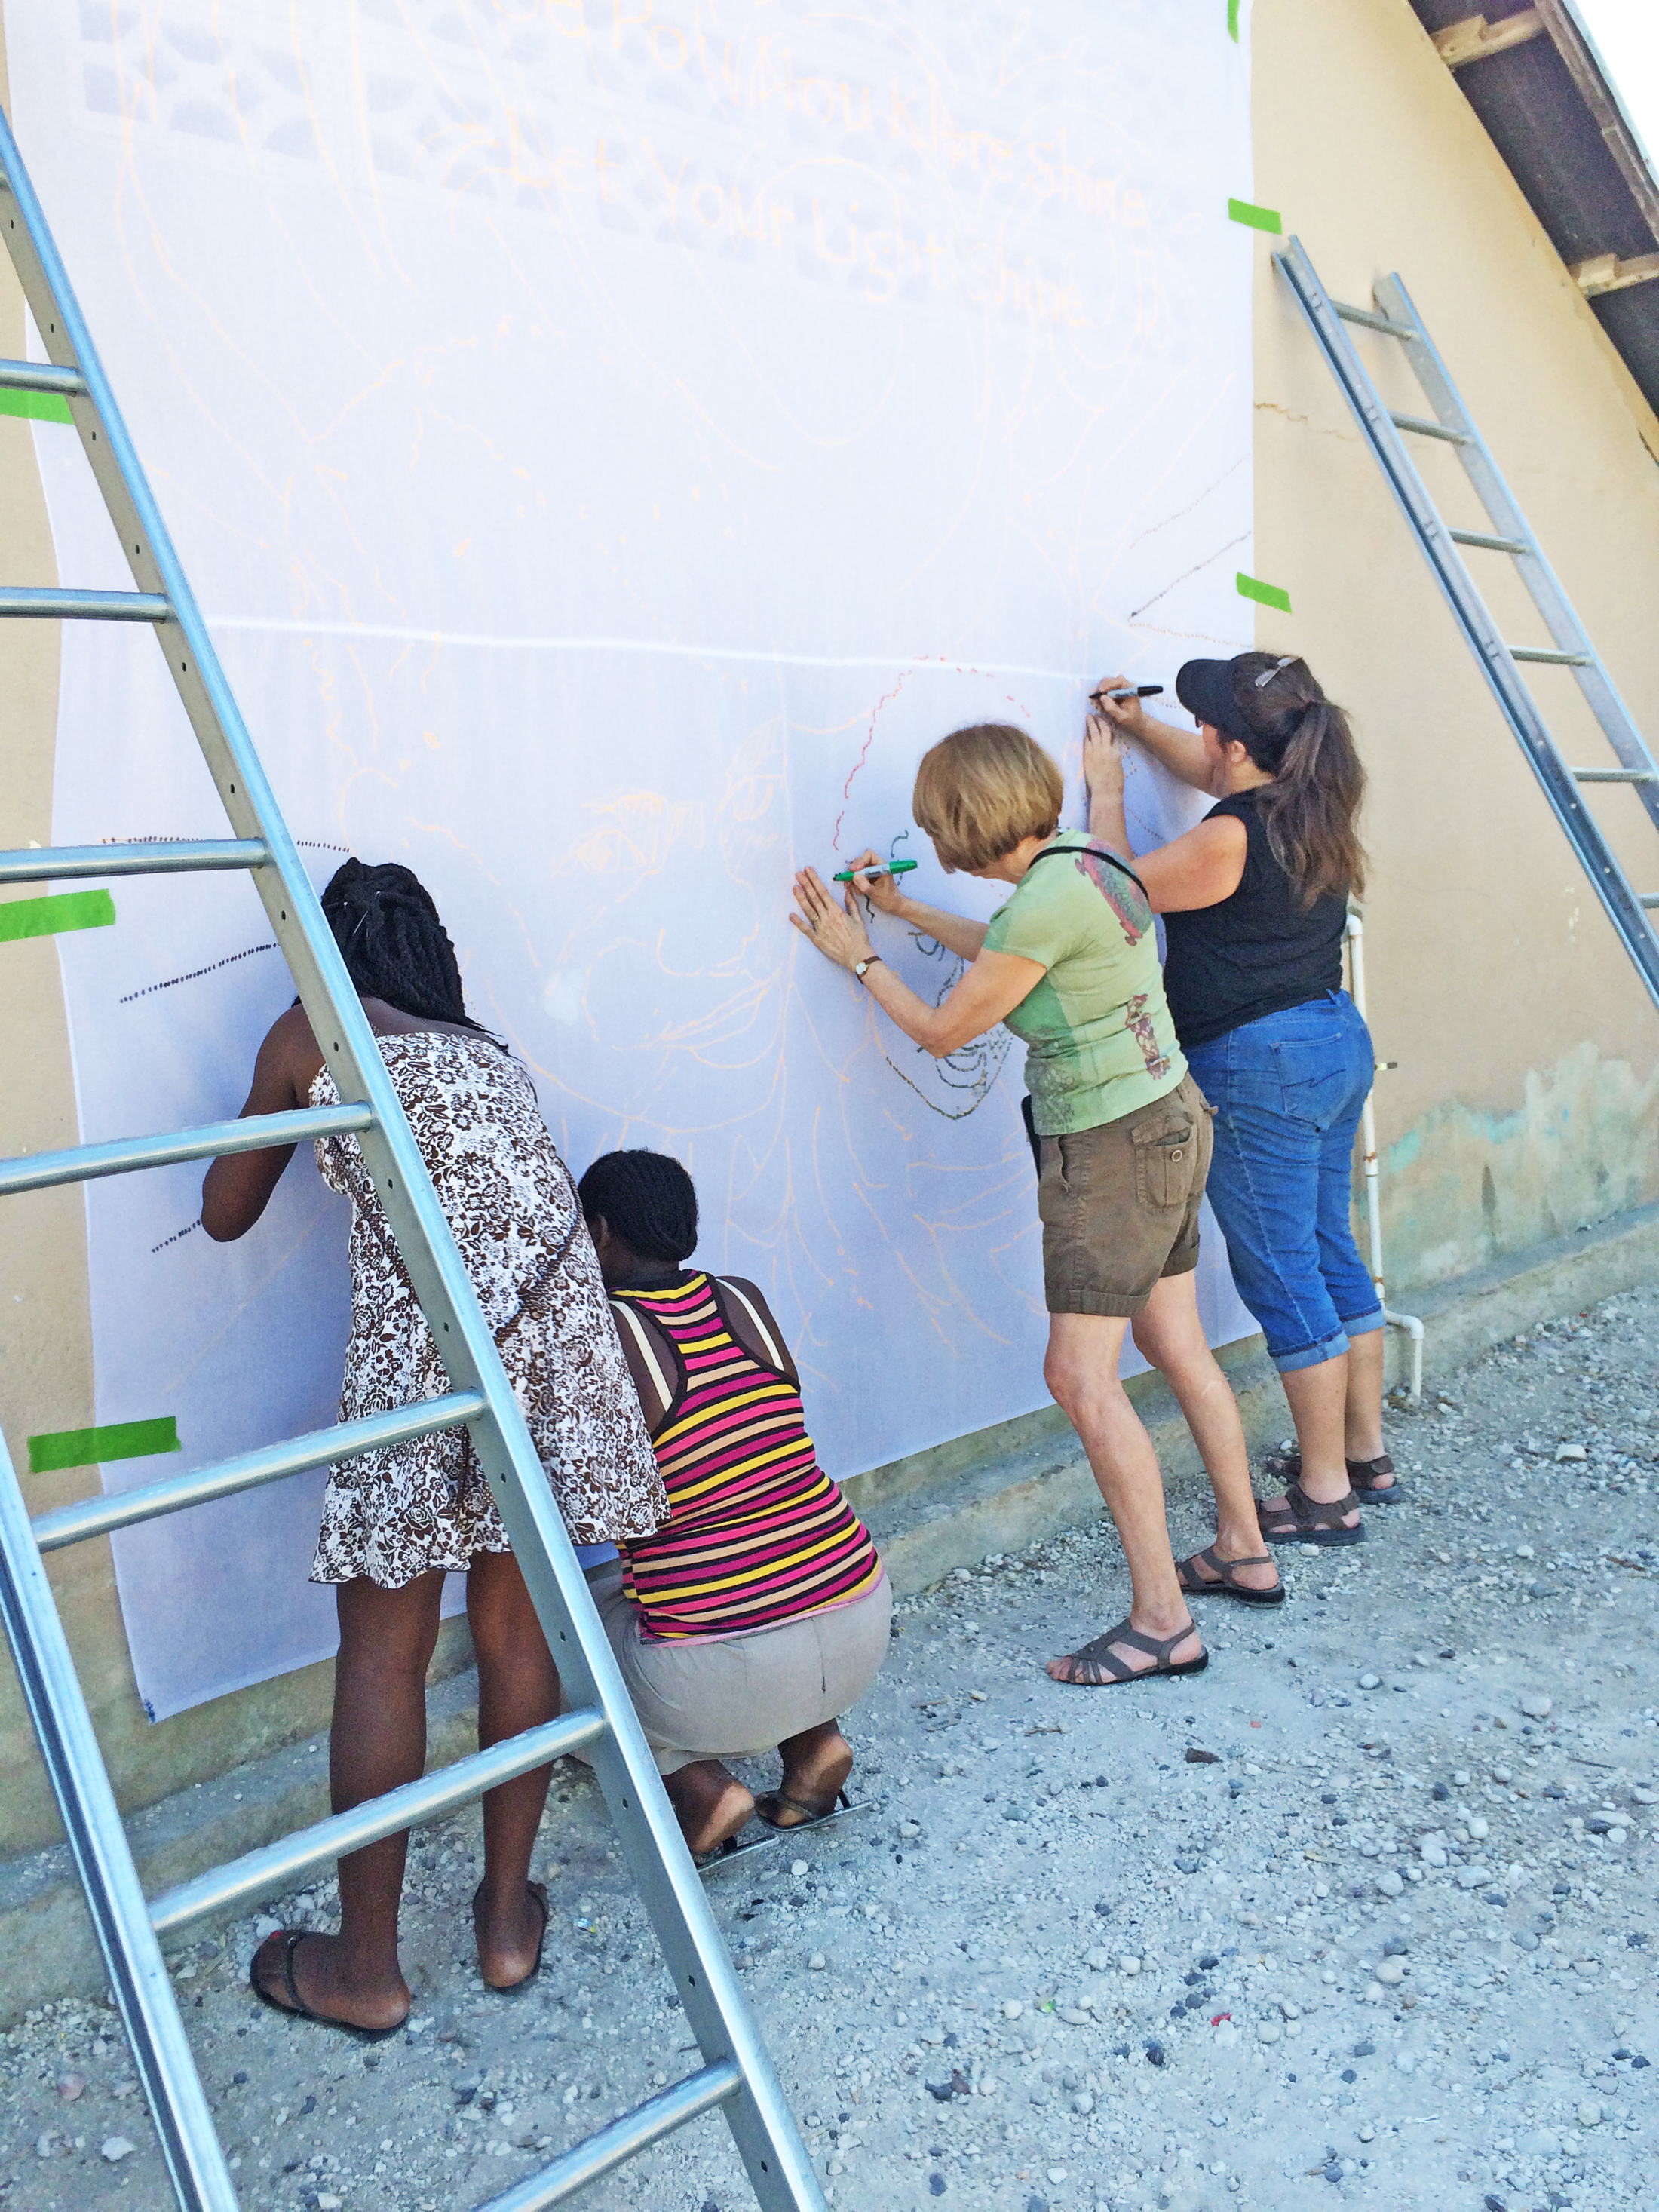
394 945
648 1199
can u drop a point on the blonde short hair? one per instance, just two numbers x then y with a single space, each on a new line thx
981 792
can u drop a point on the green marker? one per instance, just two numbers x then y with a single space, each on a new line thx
886 868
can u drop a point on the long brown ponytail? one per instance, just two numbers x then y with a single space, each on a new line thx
1302 740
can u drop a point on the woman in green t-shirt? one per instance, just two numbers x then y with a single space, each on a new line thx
1122 1138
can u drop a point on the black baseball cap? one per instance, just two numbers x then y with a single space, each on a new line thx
1204 688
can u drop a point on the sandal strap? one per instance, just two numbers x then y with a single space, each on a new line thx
1226 1574
1099 1653
1313 1513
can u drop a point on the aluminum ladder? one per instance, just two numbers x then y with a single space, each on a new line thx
736 2072
1450 423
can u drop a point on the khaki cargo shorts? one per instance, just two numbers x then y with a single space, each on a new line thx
1119 1204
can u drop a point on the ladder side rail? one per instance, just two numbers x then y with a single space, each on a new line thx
1624 908
227 1478
780 2171
1545 588
132 1954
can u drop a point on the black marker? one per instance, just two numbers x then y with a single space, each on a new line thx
1141 691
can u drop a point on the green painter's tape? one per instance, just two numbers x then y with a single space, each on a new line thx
1233 20
89 1447
1258 218
1267 595
43 406
45 917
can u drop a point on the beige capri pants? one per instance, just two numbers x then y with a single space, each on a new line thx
737 1697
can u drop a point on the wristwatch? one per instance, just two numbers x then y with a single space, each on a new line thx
860 967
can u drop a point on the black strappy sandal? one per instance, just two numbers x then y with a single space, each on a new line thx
297 2008
1286 1466
1109 1671
813 1815
1224 1583
1304 1520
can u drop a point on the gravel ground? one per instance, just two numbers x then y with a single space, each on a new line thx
1367 1908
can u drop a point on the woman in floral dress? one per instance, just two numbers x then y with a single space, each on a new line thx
395 1521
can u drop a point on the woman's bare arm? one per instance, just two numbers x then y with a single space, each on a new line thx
236 1188
991 989
1200 869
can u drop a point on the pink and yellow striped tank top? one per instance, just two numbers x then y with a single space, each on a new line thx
756 1534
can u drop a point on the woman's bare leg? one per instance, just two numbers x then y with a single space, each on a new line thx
1318 1399
1169 1333
1081 1371
378 1740
1362 1407
517 1689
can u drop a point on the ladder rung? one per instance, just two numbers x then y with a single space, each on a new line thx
276 1867
94 1516
1426 428
33 600
40 376
1490 544
1368 320
1551 656
160 858
1614 774
256 1133
1649 898
623 2139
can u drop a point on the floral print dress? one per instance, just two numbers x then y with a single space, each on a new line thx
392 1514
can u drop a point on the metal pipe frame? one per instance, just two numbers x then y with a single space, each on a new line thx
171 856
96 1517
258 1133
36 602
1409 1323
272 1869
781 2173
608 2148
1623 906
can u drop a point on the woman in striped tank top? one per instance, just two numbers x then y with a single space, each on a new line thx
760 1610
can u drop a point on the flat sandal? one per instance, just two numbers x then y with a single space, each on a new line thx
1224 1581
1110 1673
1286 1465
1304 1520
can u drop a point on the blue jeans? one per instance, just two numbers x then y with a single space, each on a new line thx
1288 1092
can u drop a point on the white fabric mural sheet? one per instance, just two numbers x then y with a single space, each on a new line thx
610 444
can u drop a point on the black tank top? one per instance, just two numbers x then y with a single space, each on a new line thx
1254 953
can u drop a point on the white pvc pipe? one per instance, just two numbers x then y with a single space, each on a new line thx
1408 1322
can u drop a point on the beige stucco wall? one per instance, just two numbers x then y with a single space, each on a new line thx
1524 1101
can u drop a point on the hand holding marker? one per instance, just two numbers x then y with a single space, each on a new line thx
1135 691
882 868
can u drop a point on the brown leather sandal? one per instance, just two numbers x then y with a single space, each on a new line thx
1286 1466
1223 1582
1108 1671
1304 1520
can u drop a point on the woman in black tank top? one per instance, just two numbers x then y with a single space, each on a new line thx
1255 902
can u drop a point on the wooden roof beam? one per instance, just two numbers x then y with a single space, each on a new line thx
1605 272
1474 38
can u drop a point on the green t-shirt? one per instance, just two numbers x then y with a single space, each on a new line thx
1099 1039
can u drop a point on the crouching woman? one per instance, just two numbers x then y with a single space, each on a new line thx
760 1611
